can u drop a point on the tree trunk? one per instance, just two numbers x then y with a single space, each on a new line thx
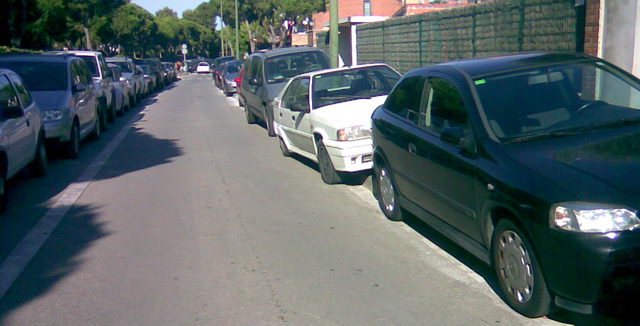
87 37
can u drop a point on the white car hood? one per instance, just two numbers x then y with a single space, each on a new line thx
347 114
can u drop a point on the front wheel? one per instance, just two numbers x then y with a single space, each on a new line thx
518 271
269 122
283 147
327 171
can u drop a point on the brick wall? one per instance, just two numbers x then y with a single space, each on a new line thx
592 27
348 8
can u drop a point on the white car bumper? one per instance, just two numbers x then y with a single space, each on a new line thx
350 156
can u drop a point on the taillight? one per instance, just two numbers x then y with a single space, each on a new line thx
237 80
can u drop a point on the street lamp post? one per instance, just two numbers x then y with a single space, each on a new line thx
237 34
333 33
221 28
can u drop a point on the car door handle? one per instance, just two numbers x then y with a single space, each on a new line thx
82 102
280 114
293 118
412 149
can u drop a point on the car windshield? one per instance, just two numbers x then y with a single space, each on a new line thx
40 76
232 69
558 100
145 69
203 64
279 69
93 65
124 66
352 84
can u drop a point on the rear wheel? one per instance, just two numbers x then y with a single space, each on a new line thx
387 194
72 147
39 165
518 271
327 171
283 147
102 113
112 111
269 122
97 129
3 194
251 119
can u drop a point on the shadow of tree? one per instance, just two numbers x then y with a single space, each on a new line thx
58 259
30 198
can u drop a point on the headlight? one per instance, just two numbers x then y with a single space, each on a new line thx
353 133
593 218
52 115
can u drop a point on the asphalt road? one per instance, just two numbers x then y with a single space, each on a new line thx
197 219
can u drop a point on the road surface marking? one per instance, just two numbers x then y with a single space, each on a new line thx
29 246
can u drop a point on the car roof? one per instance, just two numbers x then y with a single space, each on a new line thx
76 52
330 70
118 59
478 67
37 58
281 51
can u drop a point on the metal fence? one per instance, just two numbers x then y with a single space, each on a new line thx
481 30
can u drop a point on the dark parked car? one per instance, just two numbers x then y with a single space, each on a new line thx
229 76
530 162
63 89
129 75
155 69
216 67
266 73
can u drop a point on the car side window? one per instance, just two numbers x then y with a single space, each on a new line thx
288 96
404 100
8 96
76 75
21 89
85 74
258 72
442 106
302 92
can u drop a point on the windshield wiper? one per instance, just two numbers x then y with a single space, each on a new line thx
611 124
544 135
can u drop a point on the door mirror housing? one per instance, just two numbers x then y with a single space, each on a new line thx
299 107
458 137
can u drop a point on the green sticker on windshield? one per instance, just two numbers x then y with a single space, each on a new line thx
480 82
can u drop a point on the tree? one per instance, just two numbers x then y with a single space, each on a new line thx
166 12
134 29
85 13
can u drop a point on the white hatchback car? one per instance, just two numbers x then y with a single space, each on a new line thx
325 116
203 68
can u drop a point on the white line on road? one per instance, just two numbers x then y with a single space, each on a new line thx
29 246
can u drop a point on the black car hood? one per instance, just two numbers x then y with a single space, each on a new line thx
605 166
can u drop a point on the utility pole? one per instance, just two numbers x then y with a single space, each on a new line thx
333 33
237 34
221 28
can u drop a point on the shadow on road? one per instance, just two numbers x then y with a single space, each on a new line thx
30 198
61 256
348 178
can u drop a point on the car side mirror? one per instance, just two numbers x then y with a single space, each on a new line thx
459 137
79 88
299 107
255 82
11 111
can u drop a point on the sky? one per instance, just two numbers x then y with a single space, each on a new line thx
177 5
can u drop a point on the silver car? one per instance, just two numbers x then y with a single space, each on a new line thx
131 76
63 89
21 131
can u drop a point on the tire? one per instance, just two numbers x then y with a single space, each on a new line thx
327 171
387 194
39 165
97 129
72 146
240 101
518 271
268 120
283 148
3 194
112 112
103 116
251 119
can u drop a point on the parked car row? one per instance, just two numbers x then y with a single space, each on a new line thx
527 161
53 101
